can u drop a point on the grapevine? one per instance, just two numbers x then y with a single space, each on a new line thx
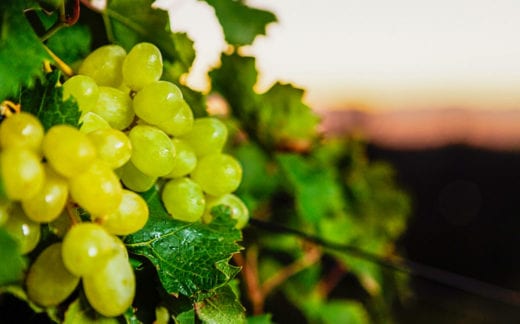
123 199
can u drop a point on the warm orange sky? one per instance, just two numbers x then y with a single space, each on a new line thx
396 54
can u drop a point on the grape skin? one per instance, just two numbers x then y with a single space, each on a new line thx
207 136
112 146
83 89
22 130
129 217
142 66
158 102
183 199
104 65
218 174
22 173
22 229
115 107
239 211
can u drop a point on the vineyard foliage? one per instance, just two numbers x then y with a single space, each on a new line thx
292 176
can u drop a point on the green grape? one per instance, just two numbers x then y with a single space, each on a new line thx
91 122
48 281
49 202
183 199
181 122
185 159
97 190
84 89
208 135
111 289
22 130
112 146
218 174
104 65
61 225
22 173
134 179
25 231
157 102
68 150
142 66
129 217
87 247
152 150
115 107
239 211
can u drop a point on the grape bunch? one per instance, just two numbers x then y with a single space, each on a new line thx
136 132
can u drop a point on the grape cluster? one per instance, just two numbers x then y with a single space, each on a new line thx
136 131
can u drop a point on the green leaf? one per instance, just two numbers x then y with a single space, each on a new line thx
21 52
342 311
13 263
187 317
45 101
131 22
80 312
222 307
260 319
316 191
191 258
240 23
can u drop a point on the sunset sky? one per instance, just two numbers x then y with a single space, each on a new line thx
381 55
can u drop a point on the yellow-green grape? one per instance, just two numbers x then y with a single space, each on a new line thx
5 205
134 179
104 65
185 159
61 225
152 150
208 135
157 102
115 107
22 130
25 231
239 211
83 89
97 190
218 174
48 281
111 289
183 199
91 121
49 202
22 173
181 122
68 150
142 66
112 146
87 247
129 217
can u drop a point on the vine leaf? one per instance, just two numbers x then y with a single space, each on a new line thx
240 23
45 101
13 263
21 52
191 259
222 307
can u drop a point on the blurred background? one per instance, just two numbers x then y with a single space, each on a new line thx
434 88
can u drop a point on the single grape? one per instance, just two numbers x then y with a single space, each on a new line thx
181 122
115 107
83 89
48 281
218 174
104 65
112 146
208 135
183 199
5 206
185 159
239 211
25 231
157 102
49 202
87 247
129 217
22 173
22 130
91 122
142 66
68 150
152 150
111 289
134 179
61 225
98 189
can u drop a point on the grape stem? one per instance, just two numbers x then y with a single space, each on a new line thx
67 70
72 213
